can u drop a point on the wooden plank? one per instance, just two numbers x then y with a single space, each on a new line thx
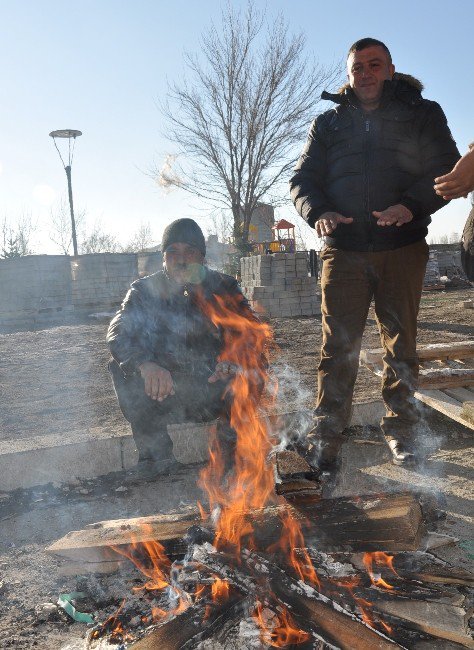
391 522
93 543
439 619
445 404
445 378
293 475
460 394
456 350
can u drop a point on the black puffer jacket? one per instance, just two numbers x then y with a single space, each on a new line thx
162 322
356 162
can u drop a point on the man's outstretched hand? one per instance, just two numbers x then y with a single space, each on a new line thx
328 221
224 371
394 215
460 181
158 381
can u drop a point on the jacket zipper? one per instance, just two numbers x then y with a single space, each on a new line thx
367 182
186 357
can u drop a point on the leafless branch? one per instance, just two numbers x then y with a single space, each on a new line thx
240 115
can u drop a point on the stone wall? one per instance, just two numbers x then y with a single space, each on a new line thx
280 284
34 287
44 289
102 279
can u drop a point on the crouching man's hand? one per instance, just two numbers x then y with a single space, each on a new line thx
328 221
158 381
223 372
395 214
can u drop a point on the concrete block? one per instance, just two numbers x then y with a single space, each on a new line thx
367 413
44 459
191 440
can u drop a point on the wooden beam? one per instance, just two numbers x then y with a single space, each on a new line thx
392 522
445 377
445 404
457 350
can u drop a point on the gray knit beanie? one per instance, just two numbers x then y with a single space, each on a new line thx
183 231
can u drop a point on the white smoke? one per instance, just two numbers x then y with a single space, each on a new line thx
166 178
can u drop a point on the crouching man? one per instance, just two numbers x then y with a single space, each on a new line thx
165 350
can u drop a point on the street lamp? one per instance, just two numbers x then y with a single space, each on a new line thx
69 134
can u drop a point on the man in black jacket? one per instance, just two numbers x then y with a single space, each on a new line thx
165 349
365 182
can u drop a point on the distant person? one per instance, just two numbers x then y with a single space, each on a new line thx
365 182
165 350
458 183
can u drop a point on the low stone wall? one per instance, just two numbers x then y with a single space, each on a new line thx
34 287
42 289
280 284
102 280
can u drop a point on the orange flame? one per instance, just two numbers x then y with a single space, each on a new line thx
150 558
219 590
114 627
251 484
278 631
291 539
349 583
380 559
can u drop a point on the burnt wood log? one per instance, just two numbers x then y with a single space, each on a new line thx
314 612
193 625
294 476
391 522
436 607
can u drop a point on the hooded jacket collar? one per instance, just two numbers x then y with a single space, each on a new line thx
403 87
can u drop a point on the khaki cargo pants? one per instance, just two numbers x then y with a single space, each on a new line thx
350 281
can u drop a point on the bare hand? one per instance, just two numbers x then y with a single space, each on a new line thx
460 181
224 371
395 214
328 221
158 381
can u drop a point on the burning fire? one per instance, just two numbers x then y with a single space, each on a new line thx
278 630
249 486
380 559
290 540
150 558
364 606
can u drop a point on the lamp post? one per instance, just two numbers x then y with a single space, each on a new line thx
69 134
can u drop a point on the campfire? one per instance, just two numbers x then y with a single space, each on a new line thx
266 558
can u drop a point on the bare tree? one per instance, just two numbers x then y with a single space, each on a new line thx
141 240
98 241
221 225
241 114
15 238
60 232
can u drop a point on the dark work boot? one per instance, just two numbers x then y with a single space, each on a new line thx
148 470
322 455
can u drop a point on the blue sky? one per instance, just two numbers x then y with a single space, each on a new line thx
101 66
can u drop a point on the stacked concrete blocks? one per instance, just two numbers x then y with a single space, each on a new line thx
102 279
34 287
279 284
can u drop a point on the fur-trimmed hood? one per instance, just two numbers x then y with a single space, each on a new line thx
404 86
398 76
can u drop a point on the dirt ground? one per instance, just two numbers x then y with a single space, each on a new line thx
55 381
